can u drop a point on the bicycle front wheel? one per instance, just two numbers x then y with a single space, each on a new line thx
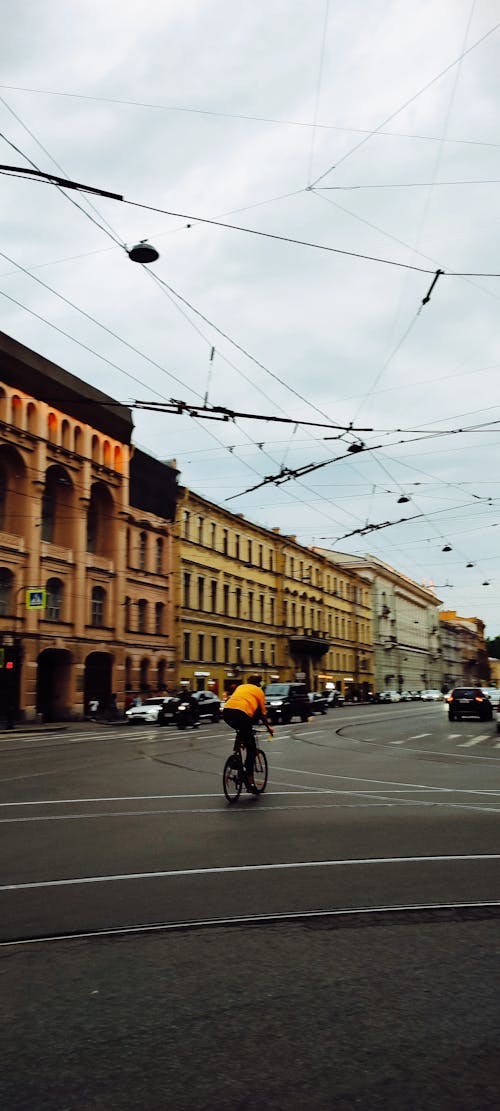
260 771
232 778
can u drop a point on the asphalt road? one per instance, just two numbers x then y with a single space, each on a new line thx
271 965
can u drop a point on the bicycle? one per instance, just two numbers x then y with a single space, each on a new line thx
234 776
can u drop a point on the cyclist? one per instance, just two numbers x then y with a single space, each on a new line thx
245 706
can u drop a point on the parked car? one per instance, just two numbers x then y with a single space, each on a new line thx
431 696
468 702
148 711
497 716
285 701
493 693
318 702
334 698
405 696
388 696
208 705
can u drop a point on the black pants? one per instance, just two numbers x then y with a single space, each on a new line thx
239 721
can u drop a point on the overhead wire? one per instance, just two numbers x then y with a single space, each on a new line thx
407 103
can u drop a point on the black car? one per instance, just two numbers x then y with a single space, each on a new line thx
285 701
208 705
469 702
334 698
168 711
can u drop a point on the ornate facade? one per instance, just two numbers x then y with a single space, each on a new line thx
83 543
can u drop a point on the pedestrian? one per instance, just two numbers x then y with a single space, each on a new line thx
113 713
93 708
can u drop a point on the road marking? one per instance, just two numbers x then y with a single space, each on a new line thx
232 869
386 782
418 736
474 741
401 742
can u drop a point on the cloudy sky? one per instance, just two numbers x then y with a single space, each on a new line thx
369 128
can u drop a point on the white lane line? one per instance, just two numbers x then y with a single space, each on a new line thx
232 869
418 736
401 742
474 741
388 782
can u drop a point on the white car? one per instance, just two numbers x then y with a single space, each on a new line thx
389 696
493 693
147 711
431 696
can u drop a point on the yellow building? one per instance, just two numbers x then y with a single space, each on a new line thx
249 599
85 538
227 590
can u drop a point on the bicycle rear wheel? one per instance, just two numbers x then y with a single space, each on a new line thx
232 778
260 771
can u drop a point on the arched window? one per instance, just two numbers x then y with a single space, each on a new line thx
77 440
6 591
144 676
159 556
52 428
101 528
106 453
65 434
159 618
96 450
143 549
98 606
31 417
48 514
162 669
127 612
54 600
142 616
3 495
128 673
16 410
118 459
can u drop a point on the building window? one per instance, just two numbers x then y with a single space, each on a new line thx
159 618
250 605
159 556
213 535
251 659
262 603
226 650
261 555
294 616
224 541
213 595
271 610
250 551
273 655
6 583
271 559
262 653
201 647
187 646
238 601
213 640
98 602
127 613
142 616
186 582
285 613
200 530
236 547
226 600
185 524
54 600
48 516
143 547
239 657
201 593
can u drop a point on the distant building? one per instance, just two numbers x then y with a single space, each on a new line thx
465 655
406 642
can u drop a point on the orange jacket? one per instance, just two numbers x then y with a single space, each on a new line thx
247 697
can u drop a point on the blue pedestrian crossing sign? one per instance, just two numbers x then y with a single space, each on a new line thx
36 599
